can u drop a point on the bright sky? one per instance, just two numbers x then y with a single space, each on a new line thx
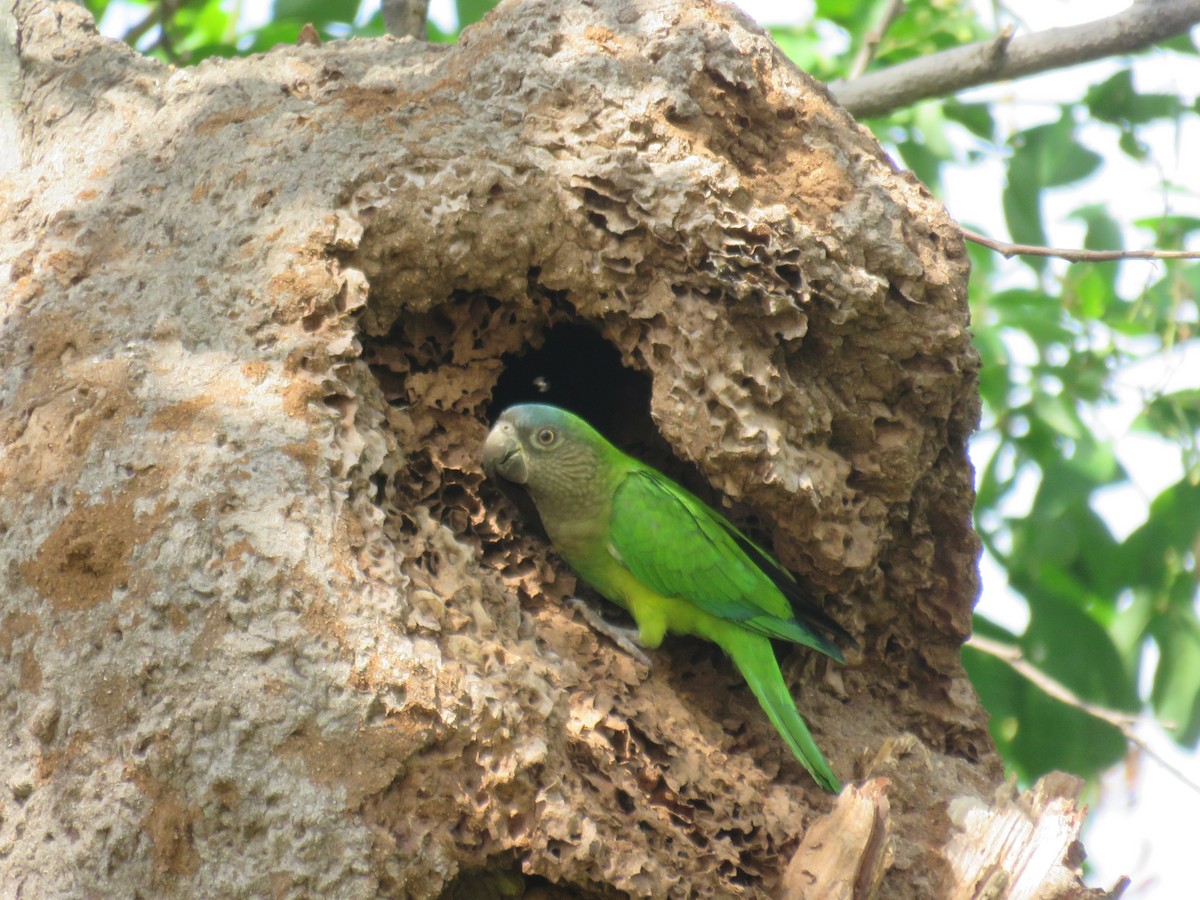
1137 829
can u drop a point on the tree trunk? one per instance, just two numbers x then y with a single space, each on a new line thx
266 631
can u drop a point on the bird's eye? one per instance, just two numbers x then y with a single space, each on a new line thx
546 436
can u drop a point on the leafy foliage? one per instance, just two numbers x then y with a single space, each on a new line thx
185 32
1055 343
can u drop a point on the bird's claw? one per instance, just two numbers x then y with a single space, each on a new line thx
624 638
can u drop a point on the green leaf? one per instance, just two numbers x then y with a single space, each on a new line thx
1133 146
1181 43
1061 158
995 381
1171 530
1074 650
205 24
804 47
1159 306
1001 689
1129 629
975 117
840 11
1022 202
1089 291
1116 101
471 11
98 7
925 164
924 27
1097 462
1044 156
1033 312
1103 232
1108 99
316 11
1175 416
1057 736
1170 230
1176 691
1024 716
1060 414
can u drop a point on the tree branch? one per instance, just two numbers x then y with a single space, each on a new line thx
942 74
1122 721
166 12
1071 255
872 38
138 31
403 18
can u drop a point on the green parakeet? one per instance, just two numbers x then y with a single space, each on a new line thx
665 556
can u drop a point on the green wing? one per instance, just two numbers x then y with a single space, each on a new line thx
678 546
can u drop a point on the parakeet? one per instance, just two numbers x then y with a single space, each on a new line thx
664 555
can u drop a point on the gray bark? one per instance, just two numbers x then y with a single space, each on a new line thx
406 18
264 630
1005 57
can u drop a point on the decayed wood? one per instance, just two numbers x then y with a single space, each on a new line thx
264 628
845 854
1021 846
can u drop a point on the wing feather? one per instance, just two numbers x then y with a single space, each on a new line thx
678 546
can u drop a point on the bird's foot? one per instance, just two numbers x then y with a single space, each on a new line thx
624 638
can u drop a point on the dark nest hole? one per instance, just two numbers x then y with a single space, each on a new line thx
577 369
506 879
470 359
449 373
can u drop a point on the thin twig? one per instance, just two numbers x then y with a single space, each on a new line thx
1016 658
1122 721
942 74
138 31
873 37
1072 255
166 12
997 48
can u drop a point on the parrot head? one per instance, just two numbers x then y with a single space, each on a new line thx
547 449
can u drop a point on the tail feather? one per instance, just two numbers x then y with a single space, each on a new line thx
755 658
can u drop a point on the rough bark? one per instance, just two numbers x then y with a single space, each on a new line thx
265 630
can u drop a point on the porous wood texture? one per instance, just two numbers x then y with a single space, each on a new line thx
264 629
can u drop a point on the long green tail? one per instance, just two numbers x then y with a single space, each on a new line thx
755 658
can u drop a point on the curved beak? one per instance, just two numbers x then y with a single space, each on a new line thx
502 454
